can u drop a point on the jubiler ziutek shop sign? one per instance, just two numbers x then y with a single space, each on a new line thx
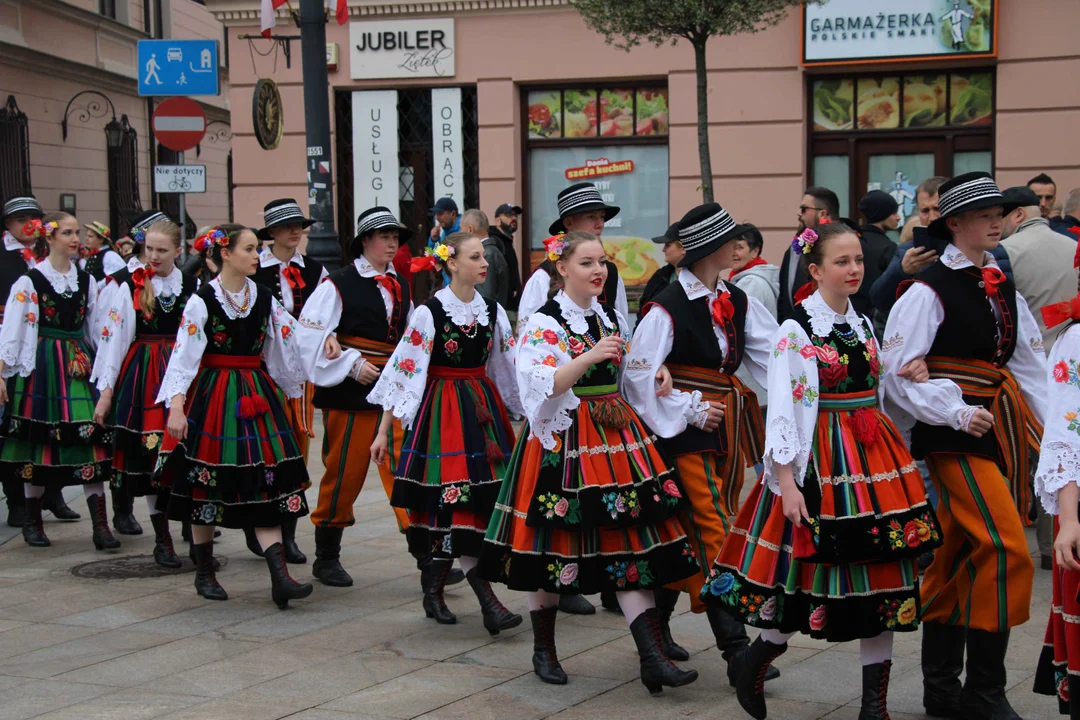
845 31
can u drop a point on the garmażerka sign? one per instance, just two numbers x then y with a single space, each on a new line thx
402 49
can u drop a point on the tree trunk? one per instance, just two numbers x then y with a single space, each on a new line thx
703 119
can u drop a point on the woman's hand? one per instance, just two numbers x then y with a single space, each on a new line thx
178 419
379 449
332 348
101 410
663 376
1067 546
792 498
3 392
609 348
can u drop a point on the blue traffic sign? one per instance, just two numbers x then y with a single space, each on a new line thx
178 67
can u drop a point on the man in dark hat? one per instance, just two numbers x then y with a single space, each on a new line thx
882 215
703 329
979 421
507 218
673 253
581 207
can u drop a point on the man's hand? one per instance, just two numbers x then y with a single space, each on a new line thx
436 232
663 376
915 371
715 415
981 423
915 260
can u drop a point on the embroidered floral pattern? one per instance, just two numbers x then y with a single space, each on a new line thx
630 573
456 494
292 504
817 618
151 441
548 336
202 475
802 392
563 575
619 503
406 366
893 343
30 319
895 613
85 474
208 513
913 533
556 506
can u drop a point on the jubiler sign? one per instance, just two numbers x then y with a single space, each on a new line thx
402 49
841 31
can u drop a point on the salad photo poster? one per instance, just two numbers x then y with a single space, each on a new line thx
633 178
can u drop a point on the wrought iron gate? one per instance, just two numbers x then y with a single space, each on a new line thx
14 151
123 161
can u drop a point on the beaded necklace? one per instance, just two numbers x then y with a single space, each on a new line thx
588 338
241 309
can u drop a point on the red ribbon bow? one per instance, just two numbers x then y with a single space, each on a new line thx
27 254
722 309
391 286
804 292
424 263
139 278
992 277
1076 257
1060 312
293 276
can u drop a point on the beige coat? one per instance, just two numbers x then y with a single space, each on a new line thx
1042 265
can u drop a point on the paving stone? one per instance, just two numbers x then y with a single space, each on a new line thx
210 615
62 658
134 611
21 698
340 677
124 705
225 677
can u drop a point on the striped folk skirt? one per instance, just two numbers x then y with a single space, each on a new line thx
48 435
138 421
1058 671
850 572
596 513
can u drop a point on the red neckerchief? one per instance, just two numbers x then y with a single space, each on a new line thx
992 277
753 263
391 285
722 309
139 278
293 276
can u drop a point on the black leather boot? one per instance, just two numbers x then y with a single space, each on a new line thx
610 601
327 566
253 542
657 670
434 602
732 641
53 501
875 691
942 663
283 587
545 660
496 616
123 513
206 583
750 681
983 695
293 554
16 502
33 529
191 554
576 605
665 605
164 552
103 537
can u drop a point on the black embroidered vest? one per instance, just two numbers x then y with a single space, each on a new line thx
95 265
606 373
453 347
242 336
12 267
167 314
60 311
611 285
310 273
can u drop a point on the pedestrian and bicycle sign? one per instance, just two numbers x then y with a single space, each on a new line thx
178 67
179 178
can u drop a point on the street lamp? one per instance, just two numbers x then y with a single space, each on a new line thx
93 108
114 134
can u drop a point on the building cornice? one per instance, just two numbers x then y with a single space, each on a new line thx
246 12
87 18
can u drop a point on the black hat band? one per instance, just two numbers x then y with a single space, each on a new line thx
579 198
376 221
282 214
953 200
704 232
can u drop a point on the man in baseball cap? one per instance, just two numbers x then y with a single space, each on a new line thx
447 219
507 218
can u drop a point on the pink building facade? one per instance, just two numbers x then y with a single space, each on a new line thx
52 50
544 102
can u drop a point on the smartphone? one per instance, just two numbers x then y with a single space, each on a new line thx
922 239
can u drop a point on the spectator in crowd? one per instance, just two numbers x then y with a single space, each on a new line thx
494 287
749 271
446 219
673 253
1042 263
1068 224
909 260
507 217
882 215
819 206
1045 188
1057 212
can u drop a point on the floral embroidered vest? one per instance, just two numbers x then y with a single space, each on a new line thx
60 311
847 358
453 346
242 336
167 314
598 375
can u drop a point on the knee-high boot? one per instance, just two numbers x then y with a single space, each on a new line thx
665 605
657 670
875 691
942 663
545 660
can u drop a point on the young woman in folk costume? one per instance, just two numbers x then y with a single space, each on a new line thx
230 457
138 316
97 254
586 505
703 330
48 436
581 208
292 278
979 420
826 544
1057 483
446 383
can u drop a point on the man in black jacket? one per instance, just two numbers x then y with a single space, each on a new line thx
819 206
882 215
502 232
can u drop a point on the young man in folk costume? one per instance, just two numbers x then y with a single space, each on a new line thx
979 419
702 329
581 207
368 309
292 278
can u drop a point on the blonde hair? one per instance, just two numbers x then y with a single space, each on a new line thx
573 240
172 231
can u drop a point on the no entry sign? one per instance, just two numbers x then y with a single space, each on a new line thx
179 123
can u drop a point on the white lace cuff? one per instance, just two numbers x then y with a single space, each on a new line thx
176 382
963 418
394 396
697 412
106 376
785 445
547 415
1059 465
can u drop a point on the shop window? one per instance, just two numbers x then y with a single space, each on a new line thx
616 138
892 131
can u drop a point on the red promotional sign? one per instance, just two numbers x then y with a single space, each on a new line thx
179 123
599 168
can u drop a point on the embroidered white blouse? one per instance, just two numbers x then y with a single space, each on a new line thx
401 385
535 294
319 319
279 351
793 386
268 259
538 358
1059 457
19 333
653 339
114 323
10 243
909 335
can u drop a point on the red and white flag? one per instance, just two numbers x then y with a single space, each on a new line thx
267 15
342 12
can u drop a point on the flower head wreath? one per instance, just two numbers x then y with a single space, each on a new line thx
139 236
433 258
804 242
443 252
556 245
39 230
214 236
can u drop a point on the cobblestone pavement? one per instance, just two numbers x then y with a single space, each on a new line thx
78 649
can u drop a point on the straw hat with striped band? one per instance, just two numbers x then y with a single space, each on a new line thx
577 199
22 205
377 218
964 193
706 229
282 212
100 228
